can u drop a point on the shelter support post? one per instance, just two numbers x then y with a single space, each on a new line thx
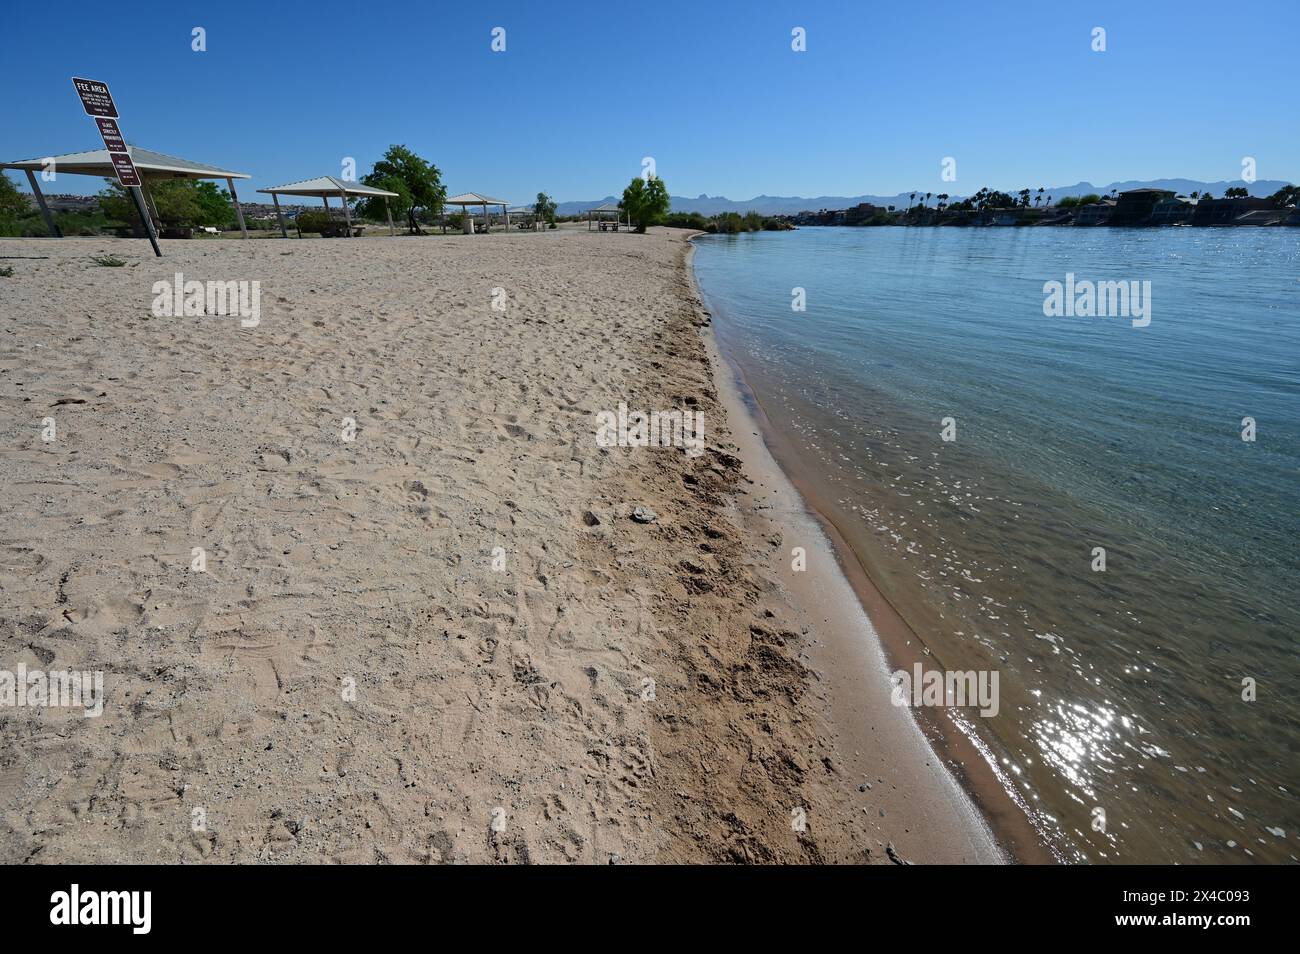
507 212
389 212
45 209
284 233
347 215
239 213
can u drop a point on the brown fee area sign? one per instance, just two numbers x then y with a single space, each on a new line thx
111 135
95 97
125 169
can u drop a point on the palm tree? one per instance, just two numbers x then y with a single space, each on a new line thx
910 199
927 198
943 199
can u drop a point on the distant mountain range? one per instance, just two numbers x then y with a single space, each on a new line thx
790 204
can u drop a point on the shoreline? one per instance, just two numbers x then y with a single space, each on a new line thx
966 759
848 604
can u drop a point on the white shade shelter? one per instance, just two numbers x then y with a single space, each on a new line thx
325 186
601 213
526 214
466 199
150 164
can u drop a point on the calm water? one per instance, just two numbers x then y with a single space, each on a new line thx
1121 690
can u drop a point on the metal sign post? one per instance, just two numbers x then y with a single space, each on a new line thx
97 101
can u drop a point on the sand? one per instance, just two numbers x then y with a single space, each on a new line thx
444 640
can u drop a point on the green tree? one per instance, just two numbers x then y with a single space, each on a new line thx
422 179
180 202
12 203
399 205
729 223
645 201
1286 196
177 202
544 209
1236 193
116 205
214 206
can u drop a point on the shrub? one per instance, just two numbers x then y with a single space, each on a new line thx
687 220
314 222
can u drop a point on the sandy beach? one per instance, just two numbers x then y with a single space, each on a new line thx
365 587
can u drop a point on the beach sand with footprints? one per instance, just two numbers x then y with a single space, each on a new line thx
444 639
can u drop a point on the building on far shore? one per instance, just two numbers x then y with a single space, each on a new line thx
862 213
1135 206
1173 211
1095 213
67 203
1227 211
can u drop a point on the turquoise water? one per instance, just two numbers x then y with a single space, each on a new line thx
1122 688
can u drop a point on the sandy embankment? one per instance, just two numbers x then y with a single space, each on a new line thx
499 714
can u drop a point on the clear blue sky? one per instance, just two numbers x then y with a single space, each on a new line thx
710 88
